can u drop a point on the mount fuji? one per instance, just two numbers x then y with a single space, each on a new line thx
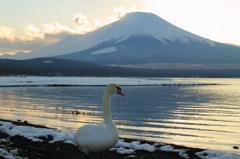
139 38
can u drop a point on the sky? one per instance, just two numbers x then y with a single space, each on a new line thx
27 25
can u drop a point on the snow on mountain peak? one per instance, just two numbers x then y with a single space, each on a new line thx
150 24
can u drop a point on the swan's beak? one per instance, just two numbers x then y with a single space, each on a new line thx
120 92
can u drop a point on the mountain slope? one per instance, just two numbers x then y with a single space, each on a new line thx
60 67
139 38
142 49
48 66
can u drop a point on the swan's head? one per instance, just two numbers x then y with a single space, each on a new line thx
114 88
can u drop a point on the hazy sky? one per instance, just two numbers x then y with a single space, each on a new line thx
27 25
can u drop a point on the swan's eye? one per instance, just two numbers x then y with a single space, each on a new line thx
118 88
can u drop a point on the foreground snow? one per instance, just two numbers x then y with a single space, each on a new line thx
83 81
121 147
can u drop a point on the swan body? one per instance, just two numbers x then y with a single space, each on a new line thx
100 137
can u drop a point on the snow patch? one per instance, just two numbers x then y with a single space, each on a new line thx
169 148
213 154
134 145
104 51
47 61
33 133
9 155
123 151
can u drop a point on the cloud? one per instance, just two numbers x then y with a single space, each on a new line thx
33 39
83 25
120 12
97 23
9 42
80 19
54 31
38 37
6 32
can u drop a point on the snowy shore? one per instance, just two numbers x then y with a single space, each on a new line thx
124 148
87 81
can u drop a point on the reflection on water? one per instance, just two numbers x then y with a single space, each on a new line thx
198 116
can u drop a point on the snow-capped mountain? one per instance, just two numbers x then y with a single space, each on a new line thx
139 38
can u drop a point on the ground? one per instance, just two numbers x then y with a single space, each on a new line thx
59 150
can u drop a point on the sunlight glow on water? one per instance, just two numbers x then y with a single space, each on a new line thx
197 116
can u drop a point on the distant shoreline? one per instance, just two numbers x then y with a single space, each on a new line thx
66 85
35 81
60 67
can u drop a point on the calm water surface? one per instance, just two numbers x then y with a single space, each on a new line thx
197 116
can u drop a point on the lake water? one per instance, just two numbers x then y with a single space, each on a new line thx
196 116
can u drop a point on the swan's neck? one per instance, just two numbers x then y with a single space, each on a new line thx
107 110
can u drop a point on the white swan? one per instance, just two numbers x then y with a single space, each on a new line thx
101 137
